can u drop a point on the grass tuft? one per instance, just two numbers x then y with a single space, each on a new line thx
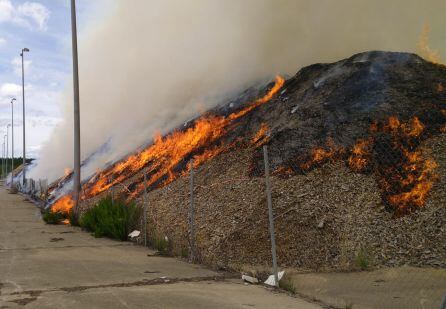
287 284
53 217
113 219
362 259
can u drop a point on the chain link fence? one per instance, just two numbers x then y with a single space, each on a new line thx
342 234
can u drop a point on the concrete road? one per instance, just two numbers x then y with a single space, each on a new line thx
43 266
391 288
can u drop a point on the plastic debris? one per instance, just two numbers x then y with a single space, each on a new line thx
271 281
250 279
134 234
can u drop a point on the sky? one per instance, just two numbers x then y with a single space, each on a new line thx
43 26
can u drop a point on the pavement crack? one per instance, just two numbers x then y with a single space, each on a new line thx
144 282
62 247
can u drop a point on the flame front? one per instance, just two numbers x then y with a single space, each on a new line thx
162 159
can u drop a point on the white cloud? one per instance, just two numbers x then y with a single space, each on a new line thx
32 15
2 41
8 90
34 11
6 10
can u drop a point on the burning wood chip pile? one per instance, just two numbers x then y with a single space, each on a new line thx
357 156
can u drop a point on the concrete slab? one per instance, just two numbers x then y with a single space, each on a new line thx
393 288
45 266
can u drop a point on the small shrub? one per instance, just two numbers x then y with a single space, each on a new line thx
53 217
114 219
362 259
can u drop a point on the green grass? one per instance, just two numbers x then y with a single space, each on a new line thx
362 259
53 217
287 284
113 219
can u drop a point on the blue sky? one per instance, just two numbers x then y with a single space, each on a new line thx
43 26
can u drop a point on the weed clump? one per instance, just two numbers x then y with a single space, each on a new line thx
109 218
362 259
53 217
287 284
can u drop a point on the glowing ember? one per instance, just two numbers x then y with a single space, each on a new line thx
322 155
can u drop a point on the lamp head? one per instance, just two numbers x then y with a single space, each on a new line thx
13 99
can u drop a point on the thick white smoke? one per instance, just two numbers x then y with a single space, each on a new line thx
152 64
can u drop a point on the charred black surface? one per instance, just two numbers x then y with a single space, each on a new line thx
340 101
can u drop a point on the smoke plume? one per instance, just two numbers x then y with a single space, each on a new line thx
153 64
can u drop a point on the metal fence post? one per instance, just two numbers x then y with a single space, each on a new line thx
270 214
112 193
191 213
145 209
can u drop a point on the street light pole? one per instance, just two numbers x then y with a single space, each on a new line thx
22 54
12 142
3 158
77 133
7 148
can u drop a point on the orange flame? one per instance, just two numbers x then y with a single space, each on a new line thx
360 157
408 184
166 153
321 155
261 136
64 204
430 54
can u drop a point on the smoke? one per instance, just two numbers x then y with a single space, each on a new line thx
152 64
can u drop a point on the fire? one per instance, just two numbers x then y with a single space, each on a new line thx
407 175
361 155
64 204
430 54
261 136
164 160
320 155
